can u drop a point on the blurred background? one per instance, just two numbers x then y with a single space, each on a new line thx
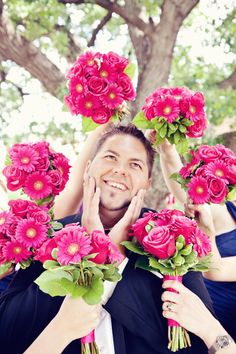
173 43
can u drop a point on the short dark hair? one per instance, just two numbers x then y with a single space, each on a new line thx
131 130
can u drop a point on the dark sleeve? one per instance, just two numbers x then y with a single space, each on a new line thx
24 311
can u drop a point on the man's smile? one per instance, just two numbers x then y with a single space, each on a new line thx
117 185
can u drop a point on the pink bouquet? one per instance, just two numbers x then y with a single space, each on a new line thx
172 244
173 113
210 176
77 263
40 172
23 231
98 86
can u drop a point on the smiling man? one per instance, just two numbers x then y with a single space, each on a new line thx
131 320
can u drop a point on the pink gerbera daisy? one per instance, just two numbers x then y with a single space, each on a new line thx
198 190
168 107
202 243
194 107
25 158
61 163
15 251
73 245
30 233
217 169
113 98
38 186
87 104
4 221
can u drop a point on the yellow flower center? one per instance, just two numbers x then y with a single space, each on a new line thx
25 160
192 109
167 110
219 173
88 104
199 190
79 88
73 248
104 73
90 62
17 250
2 220
31 233
112 95
38 185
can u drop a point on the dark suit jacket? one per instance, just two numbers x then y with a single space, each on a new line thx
135 309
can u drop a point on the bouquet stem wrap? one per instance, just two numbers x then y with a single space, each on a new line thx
88 344
178 336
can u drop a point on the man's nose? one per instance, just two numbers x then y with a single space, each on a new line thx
120 169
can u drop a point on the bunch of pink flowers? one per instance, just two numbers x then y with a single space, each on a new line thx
73 243
177 103
39 171
23 230
98 85
210 176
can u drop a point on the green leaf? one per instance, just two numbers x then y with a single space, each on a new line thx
182 146
50 282
5 267
94 294
163 131
75 290
133 247
50 264
232 194
56 225
178 260
187 250
176 137
182 128
143 263
158 140
88 125
141 121
130 70
8 161
186 122
172 127
54 253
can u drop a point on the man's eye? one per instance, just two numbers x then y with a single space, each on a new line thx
136 165
110 157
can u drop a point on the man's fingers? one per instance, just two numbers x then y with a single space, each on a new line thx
138 205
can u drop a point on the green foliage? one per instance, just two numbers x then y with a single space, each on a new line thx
5 267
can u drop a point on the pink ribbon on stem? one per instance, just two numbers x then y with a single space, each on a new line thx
90 338
172 323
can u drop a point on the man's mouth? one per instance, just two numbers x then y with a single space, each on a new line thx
118 185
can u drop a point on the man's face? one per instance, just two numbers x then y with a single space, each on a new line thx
120 169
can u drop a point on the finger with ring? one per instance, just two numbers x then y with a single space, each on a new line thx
169 306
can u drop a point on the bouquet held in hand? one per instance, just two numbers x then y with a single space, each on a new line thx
171 244
173 113
98 86
40 172
77 263
210 175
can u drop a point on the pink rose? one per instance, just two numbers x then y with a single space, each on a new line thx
217 189
11 230
101 115
138 228
44 253
97 86
208 153
114 255
232 173
15 177
187 170
100 244
160 242
40 216
116 60
43 164
166 216
149 112
184 226
20 207
197 129
125 83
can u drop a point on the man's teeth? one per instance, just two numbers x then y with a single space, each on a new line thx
116 185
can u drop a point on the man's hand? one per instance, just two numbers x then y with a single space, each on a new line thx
120 230
90 218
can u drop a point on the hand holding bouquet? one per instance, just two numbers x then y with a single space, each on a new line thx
210 175
173 113
98 86
77 263
172 244
40 172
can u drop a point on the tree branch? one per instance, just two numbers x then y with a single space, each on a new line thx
99 27
17 48
113 7
74 48
230 82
